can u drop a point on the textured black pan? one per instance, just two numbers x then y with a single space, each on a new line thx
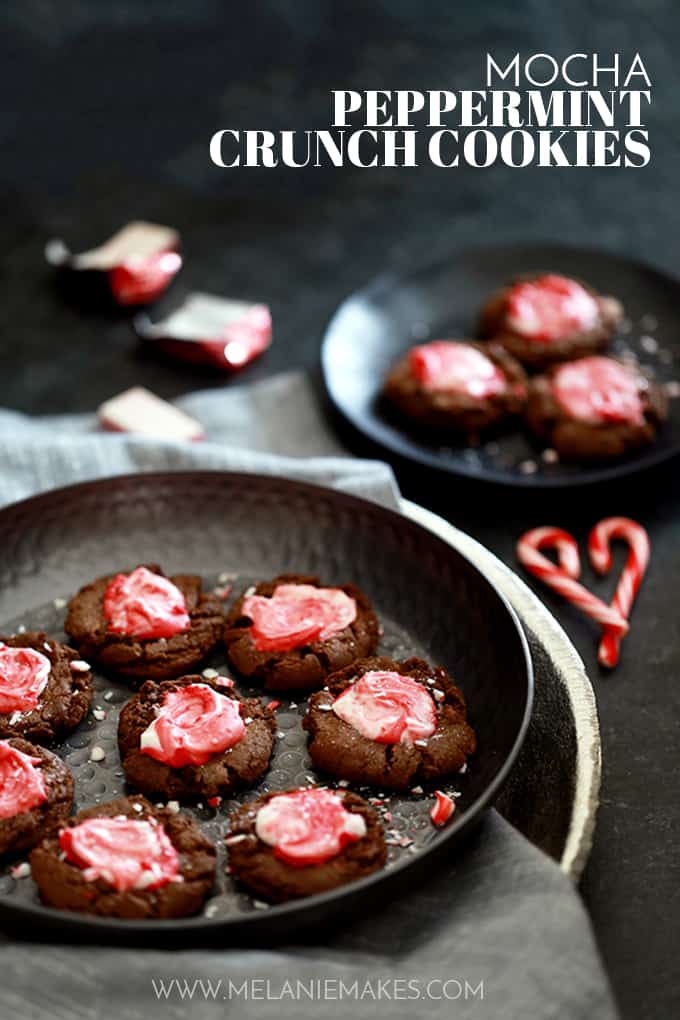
374 326
431 600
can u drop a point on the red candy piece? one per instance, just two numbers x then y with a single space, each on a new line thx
22 785
599 390
443 809
308 826
194 724
388 707
297 614
145 605
23 678
127 853
550 308
243 340
140 280
449 366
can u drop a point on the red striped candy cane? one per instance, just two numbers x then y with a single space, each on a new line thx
562 576
599 550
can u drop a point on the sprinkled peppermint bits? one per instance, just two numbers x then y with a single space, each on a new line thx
79 666
210 674
99 714
97 753
22 870
173 806
59 603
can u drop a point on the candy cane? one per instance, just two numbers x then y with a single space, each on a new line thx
561 576
599 550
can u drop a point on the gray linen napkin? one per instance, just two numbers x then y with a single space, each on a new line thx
498 932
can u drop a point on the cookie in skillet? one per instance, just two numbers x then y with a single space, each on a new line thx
126 859
457 386
36 794
144 625
45 688
389 724
595 408
544 318
291 632
194 738
300 842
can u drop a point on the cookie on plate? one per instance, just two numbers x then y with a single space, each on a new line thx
457 385
194 738
45 688
36 794
390 724
144 624
545 317
595 408
304 841
126 859
291 632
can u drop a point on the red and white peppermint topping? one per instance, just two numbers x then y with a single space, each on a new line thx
551 307
443 809
297 614
449 366
22 785
388 707
145 605
23 678
194 723
142 278
127 853
308 826
598 391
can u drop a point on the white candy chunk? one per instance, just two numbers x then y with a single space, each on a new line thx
139 411
136 240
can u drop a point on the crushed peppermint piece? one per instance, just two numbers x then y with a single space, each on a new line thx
416 789
420 743
223 592
238 838
280 735
249 591
21 629
224 681
649 344
325 708
137 807
47 646
528 467
108 696
343 783
463 769
22 870
79 666
248 719
293 704
226 576
99 714
14 718
210 674
437 694
260 905
442 809
211 910
550 456
273 705
97 753
214 801
173 806
59 603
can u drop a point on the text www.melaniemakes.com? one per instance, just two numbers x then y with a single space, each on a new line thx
315 990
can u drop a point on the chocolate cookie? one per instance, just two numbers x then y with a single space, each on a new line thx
63 702
304 667
485 387
148 659
543 318
338 748
26 828
224 772
254 863
585 424
62 883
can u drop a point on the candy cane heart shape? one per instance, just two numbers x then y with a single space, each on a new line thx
562 576
599 550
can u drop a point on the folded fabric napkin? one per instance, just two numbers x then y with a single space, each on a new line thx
498 932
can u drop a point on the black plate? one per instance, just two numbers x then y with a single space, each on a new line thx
374 326
431 601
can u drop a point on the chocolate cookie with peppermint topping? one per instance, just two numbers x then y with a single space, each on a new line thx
144 625
303 841
45 688
194 738
543 318
291 632
457 386
595 409
389 724
36 794
126 859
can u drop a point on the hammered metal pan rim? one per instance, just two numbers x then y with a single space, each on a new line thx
85 923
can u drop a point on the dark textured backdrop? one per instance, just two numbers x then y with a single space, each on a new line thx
107 110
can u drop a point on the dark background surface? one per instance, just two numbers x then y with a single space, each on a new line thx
107 112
